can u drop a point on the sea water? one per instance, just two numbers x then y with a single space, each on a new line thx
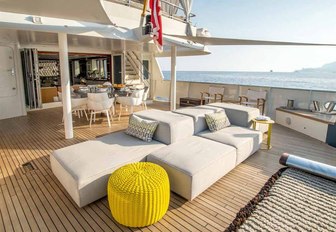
294 80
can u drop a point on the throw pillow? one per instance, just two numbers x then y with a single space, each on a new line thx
141 128
217 121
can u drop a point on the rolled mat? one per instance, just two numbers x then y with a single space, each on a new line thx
313 167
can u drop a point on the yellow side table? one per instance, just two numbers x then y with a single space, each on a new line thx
138 194
269 132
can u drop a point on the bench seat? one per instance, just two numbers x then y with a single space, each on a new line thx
83 169
245 140
198 115
194 164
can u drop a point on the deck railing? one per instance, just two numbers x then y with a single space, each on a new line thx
276 96
170 8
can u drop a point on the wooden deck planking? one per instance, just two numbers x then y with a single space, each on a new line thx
33 180
36 201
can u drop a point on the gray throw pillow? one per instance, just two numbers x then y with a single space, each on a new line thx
141 128
217 121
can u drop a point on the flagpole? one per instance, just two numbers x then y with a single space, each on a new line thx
143 12
144 8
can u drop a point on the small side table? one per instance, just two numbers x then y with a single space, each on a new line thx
269 132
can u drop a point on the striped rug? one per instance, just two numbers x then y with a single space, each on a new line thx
292 200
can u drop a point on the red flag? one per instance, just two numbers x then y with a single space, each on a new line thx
155 6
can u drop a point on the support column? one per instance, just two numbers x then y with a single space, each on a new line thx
173 79
65 81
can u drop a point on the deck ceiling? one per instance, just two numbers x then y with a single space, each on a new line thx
35 38
81 10
31 38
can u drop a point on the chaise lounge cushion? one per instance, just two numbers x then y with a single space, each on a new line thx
197 113
237 114
194 164
84 168
172 127
245 140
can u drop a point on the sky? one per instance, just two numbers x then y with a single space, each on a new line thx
280 20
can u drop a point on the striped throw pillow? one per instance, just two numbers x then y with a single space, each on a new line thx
217 121
141 128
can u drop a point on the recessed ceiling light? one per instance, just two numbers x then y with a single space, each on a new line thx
37 20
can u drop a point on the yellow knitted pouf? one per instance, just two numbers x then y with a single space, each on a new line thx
138 194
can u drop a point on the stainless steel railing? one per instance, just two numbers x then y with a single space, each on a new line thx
170 8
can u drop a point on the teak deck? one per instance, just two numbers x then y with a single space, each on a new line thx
32 199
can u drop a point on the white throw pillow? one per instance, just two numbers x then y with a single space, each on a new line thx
217 121
141 128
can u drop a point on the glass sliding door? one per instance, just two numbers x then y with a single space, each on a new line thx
30 64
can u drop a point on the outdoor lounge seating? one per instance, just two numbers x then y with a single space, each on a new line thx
255 99
190 162
194 164
84 168
213 95
172 127
246 141
238 115
193 157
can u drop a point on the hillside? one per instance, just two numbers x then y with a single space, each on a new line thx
331 67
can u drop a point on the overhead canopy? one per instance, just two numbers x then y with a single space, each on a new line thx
230 41
183 47
81 10
24 22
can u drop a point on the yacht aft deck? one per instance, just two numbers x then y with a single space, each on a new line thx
32 199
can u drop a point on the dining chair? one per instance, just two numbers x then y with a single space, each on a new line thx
214 94
255 99
136 99
100 103
79 107
144 98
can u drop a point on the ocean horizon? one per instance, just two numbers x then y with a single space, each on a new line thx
316 80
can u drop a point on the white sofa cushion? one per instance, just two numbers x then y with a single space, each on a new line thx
245 140
172 127
197 113
84 168
194 164
238 115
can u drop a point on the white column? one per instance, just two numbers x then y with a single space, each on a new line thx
173 79
65 80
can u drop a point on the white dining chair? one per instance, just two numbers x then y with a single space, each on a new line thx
107 83
144 98
100 103
79 107
136 99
